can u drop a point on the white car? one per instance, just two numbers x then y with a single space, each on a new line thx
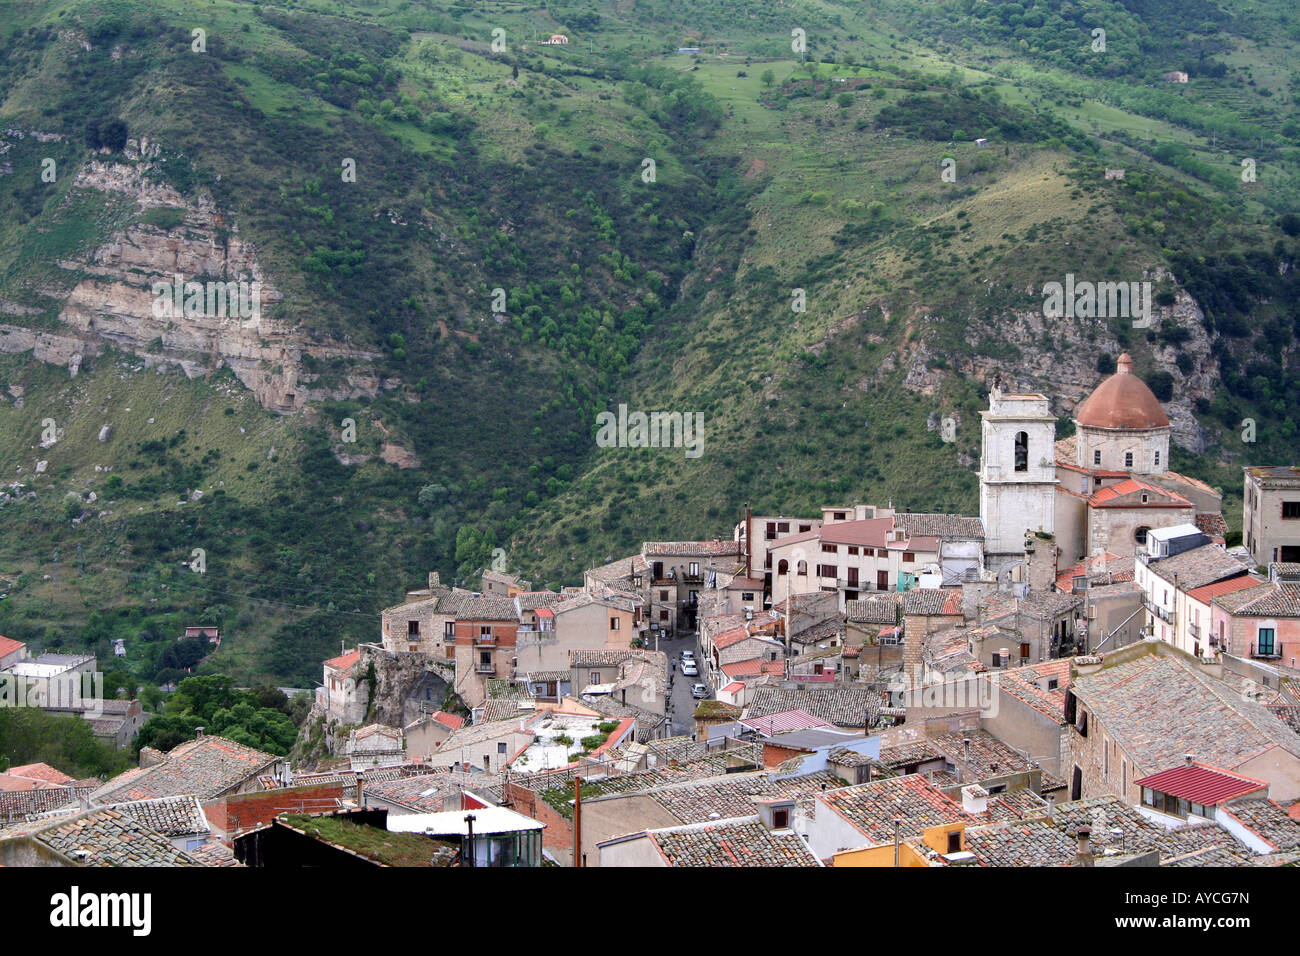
688 656
689 669
699 691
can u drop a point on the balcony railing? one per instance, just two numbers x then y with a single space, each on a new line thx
485 667
1265 651
1194 630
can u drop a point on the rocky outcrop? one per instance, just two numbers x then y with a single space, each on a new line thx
115 301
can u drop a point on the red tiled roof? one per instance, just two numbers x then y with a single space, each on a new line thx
785 720
1199 783
40 771
344 662
1209 592
1109 496
8 645
449 720
752 668
1106 561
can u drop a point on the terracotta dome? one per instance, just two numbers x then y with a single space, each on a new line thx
1122 401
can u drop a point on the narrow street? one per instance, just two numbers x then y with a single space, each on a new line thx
681 706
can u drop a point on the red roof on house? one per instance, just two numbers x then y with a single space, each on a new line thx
449 720
752 668
8 645
1109 496
784 721
545 612
1199 783
343 663
1209 592
1106 561
40 771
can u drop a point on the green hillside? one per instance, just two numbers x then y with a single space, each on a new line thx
524 170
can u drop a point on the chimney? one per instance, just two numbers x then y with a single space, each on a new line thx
975 800
1187 759
1083 857
198 733
1051 806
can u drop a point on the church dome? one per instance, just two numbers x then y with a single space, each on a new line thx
1122 401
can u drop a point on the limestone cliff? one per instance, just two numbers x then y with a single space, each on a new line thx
112 298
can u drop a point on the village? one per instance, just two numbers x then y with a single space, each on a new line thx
1084 674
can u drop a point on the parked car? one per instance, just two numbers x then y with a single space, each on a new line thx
689 669
699 691
688 656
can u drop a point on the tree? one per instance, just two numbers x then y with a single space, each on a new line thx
768 78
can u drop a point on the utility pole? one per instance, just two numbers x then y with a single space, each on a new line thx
577 821
469 839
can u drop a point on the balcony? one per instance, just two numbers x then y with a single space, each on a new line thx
1265 652
485 667
1157 611
1194 630
485 640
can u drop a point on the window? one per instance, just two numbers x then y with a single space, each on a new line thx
413 648
780 819
853 549
1022 451
1266 637
747 595
1128 459
783 567
501 747
663 615
840 515
1140 535
449 629
695 569
485 631
771 530
1024 650
954 841
593 677
784 527
613 624
1053 683
802 569
1291 509
830 549
1157 459
908 556
663 595
1096 457
413 628
804 527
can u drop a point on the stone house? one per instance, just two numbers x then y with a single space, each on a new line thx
1146 707
375 746
1271 513
338 696
1262 621
485 633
